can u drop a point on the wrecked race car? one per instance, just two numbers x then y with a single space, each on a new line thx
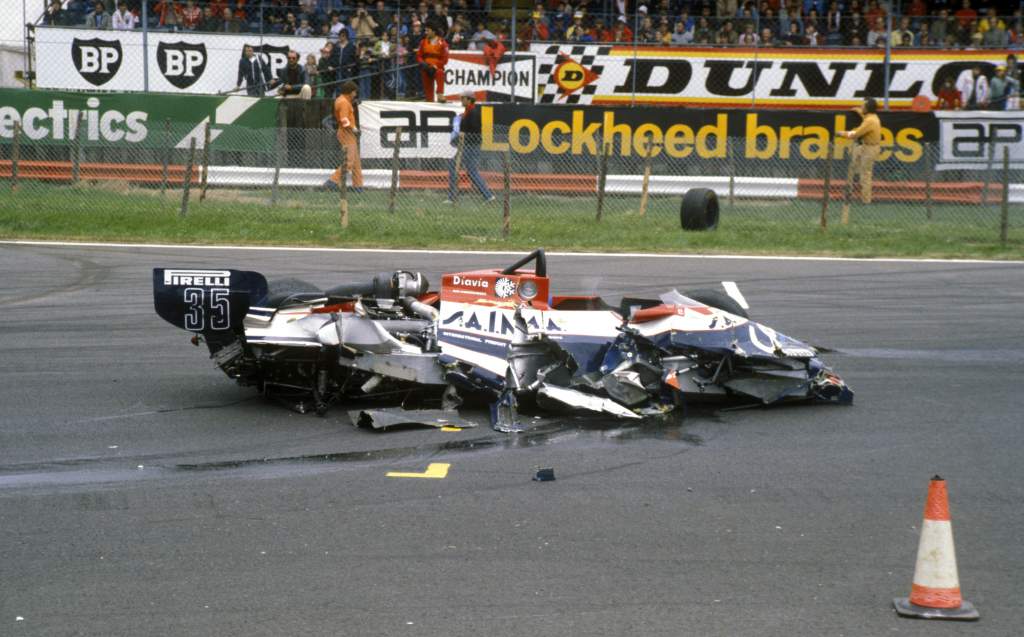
496 336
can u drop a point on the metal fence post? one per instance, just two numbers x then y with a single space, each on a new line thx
645 186
929 177
454 194
827 191
188 177
76 148
166 156
343 187
206 161
732 170
844 217
506 200
394 169
988 173
15 155
602 178
280 148
1004 216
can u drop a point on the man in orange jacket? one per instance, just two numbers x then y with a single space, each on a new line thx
432 56
348 137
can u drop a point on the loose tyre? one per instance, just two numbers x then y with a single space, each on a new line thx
719 300
699 210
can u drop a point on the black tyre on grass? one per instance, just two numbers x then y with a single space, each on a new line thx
699 210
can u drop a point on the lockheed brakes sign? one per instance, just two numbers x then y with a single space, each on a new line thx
84 59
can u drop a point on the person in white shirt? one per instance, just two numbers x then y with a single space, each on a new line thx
123 19
973 87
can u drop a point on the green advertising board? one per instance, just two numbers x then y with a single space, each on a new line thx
237 123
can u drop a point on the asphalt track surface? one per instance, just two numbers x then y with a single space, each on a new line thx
142 493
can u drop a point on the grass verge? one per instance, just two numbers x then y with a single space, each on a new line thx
305 218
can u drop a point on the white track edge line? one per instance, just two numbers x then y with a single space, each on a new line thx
618 255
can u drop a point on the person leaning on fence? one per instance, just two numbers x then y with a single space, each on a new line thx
292 81
467 126
254 72
432 56
949 96
865 153
348 137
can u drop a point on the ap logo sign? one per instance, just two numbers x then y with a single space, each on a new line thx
97 60
181 63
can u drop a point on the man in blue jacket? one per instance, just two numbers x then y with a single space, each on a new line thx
254 72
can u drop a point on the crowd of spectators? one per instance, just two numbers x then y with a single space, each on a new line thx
921 23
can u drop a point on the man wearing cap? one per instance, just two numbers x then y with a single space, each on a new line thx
865 153
998 90
467 127
348 137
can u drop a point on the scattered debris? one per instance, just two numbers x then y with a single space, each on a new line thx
384 418
544 475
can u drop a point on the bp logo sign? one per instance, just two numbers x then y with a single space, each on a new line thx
181 63
96 60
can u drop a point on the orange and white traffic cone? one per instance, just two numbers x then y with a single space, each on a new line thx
935 592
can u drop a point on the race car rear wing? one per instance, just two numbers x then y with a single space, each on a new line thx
206 301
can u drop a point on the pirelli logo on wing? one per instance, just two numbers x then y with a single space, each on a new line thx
198 278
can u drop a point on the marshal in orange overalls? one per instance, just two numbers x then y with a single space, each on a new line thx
435 53
345 116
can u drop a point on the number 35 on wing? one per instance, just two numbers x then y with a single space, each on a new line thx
206 300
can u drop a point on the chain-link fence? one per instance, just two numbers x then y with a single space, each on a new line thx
273 186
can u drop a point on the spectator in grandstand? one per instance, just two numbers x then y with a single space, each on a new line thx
948 96
575 31
902 32
327 71
191 15
366 67
917 10
834 24
621 32
767 38
290 25
877 32
873 12
999 90
345 56
727 34
457 40
229 23
854 27
966 15
123 19
994 33
973 87
726 8
793 37
432 57
169 14
98 18
787 19
313 73
646 34
469 129
254 72
1013 75
748 37
337 26
865 153
680 36
304 30
702 32
939 26
923 37
348 138
55 15
534 30
292 82
480 37
811 36
813 18
74 12
396 29
210 22
363 23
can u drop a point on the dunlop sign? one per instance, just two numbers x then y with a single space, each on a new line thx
742 78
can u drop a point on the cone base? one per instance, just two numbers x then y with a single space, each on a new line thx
966 611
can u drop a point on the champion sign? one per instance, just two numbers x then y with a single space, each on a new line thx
471 71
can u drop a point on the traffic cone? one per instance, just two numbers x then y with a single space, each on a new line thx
935 592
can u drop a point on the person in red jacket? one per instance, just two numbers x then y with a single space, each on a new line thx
432 57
